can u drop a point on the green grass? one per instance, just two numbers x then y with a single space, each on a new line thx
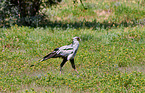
111 57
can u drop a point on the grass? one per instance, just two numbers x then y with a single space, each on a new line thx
111 56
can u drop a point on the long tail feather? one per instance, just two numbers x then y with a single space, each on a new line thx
37 62
51 55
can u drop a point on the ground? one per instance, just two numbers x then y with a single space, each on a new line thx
110 58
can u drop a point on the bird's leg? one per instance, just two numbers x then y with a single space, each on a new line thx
73 65
62 63
76 71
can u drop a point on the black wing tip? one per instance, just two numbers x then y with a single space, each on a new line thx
56 49
31 65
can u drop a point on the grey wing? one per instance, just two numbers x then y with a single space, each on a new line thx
65 50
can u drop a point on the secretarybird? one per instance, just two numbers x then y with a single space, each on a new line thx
67 52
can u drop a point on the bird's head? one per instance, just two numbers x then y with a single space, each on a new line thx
77 38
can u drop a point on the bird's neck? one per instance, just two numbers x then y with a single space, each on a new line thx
75 43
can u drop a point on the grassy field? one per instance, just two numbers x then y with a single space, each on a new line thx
111 55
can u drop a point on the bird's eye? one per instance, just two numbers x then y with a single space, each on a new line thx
78 39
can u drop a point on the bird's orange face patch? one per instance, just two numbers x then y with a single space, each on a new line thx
78 39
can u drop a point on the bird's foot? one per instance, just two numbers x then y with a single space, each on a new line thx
77 75
76 71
